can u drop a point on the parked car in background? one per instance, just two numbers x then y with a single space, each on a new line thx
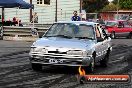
119 28
127 18
75 43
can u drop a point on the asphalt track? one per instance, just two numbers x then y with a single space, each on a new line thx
16 72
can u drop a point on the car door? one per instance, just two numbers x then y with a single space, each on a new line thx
127 28
100 45
105 42
121 30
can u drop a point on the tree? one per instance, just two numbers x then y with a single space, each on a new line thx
94 5
115 1
124 4
110 7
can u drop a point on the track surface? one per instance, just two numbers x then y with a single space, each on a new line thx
16 72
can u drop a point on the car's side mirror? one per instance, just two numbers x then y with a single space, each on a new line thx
99 39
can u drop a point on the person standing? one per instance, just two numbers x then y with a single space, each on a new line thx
100 20
75 17
14 21
34 18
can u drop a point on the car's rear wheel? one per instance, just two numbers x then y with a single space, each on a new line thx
104 62
92 66
1 38
130 35
36 67
112 35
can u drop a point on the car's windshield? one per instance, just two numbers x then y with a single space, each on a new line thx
111 23
69 30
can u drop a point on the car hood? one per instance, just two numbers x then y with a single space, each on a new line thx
64 44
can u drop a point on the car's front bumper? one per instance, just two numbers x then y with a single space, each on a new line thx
61 61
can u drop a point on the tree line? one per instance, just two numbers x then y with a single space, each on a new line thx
104 5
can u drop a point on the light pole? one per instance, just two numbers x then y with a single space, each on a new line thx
56 12
30 11
3 16
81 6
118 10
3 11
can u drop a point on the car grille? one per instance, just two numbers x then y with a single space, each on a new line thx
66 61
56 52
56 55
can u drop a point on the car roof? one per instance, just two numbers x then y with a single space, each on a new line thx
79 22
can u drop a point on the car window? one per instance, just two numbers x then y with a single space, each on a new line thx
104 31
71 30
85 31
68 30
120 25
54 29
100 31
110 23
97 33
126 24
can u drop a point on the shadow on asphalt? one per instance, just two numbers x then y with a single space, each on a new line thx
66 69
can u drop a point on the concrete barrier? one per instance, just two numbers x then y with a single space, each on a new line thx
20 33
37 25
41 28
28 32
41 31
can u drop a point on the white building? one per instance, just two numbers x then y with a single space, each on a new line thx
46 10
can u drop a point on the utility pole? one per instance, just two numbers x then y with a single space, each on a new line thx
118 10
56 12
3 11
81 6
3 16
30 11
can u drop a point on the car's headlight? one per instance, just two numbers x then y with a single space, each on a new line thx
44 50
32 49
41 50
77 52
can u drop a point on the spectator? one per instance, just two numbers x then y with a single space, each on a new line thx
14 21
75 17
20 23
34 18
99 20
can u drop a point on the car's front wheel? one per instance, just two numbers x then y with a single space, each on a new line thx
36 67
130 35
90 68
1 37
104 62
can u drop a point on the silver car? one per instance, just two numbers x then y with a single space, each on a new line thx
75 43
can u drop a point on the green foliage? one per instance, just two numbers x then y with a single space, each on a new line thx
124 4
115 1
94 5
97 5
110 7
